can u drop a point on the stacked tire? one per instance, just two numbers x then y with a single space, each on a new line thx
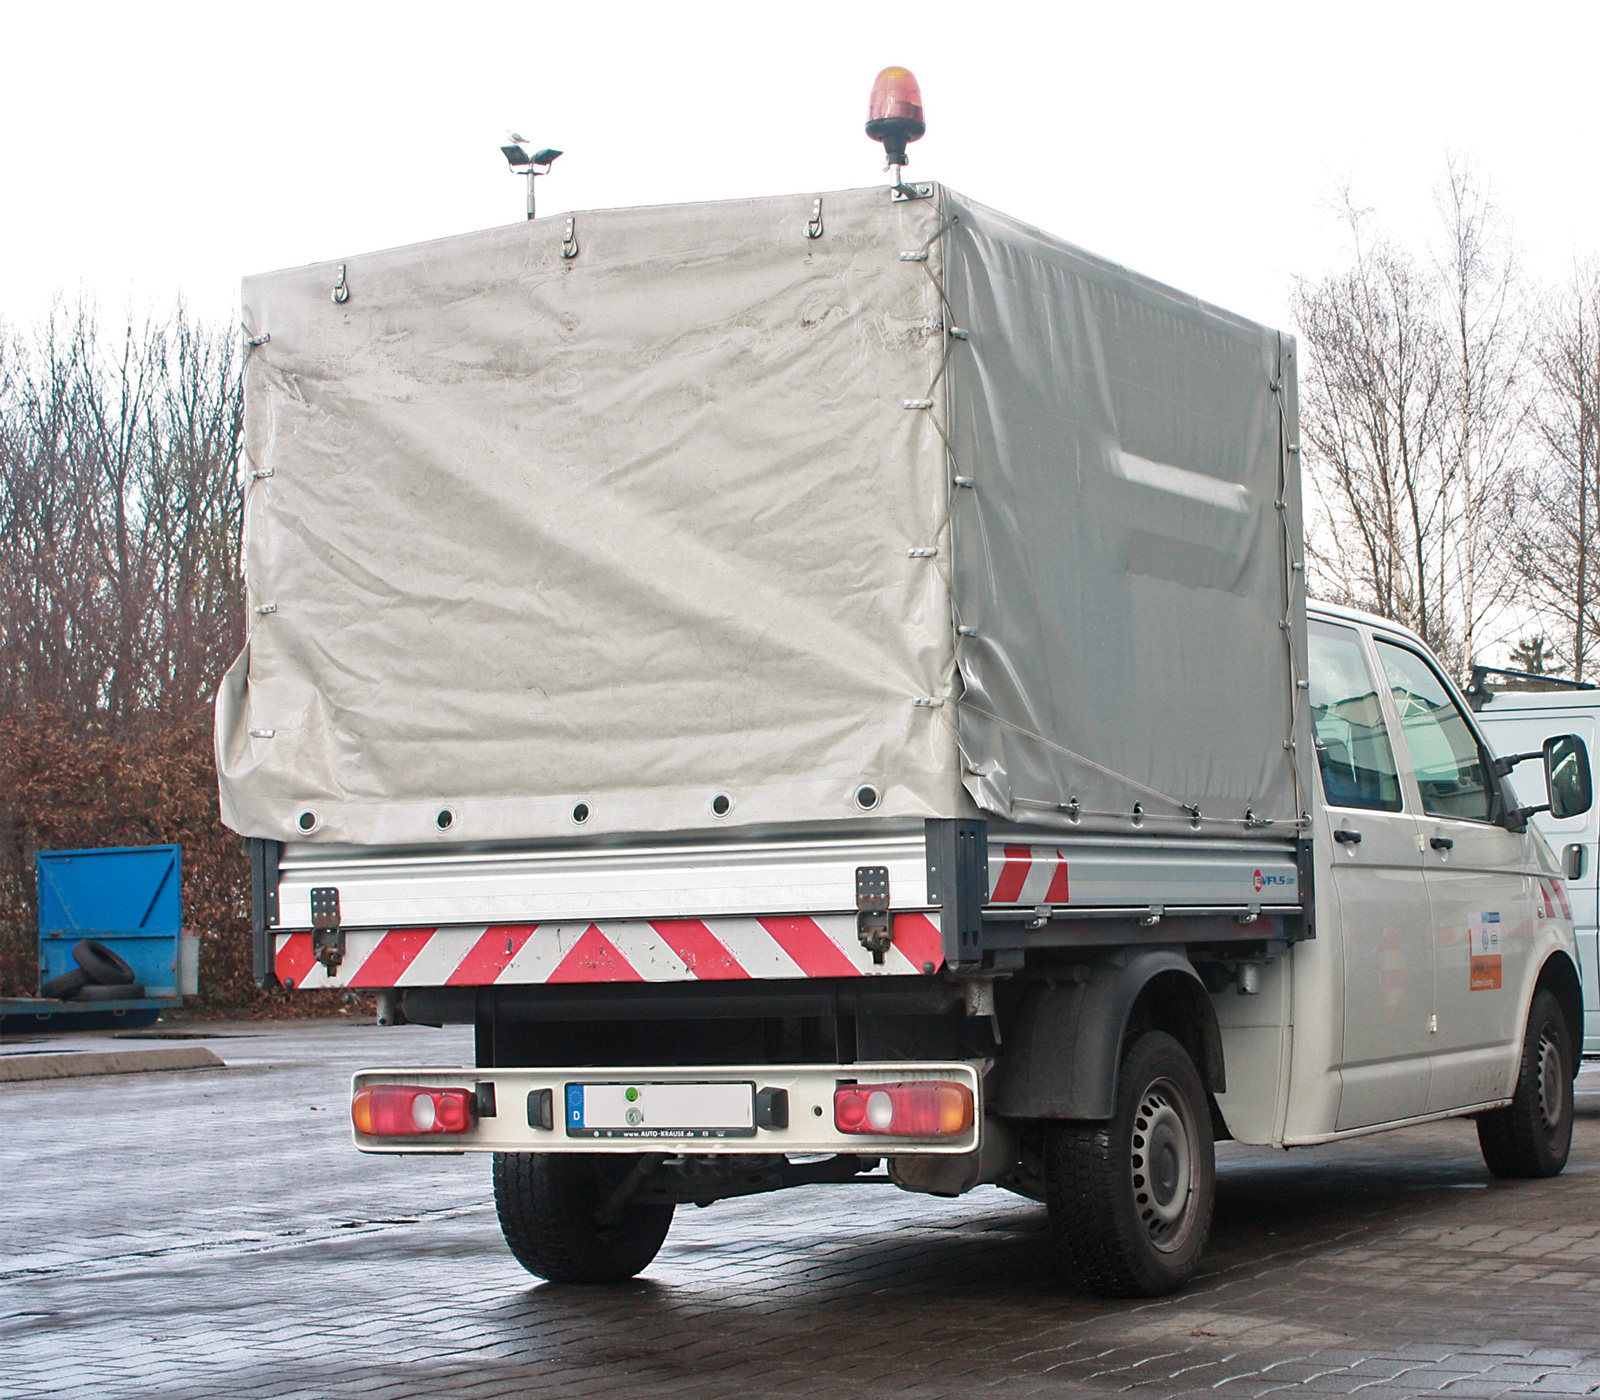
100 975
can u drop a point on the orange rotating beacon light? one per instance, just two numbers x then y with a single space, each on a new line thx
894 117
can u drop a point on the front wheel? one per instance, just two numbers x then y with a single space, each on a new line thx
553 1213
1131 1199
1531 1137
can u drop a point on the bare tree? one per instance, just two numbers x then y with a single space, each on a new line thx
49 630
1414 424
119 517
190 500
1557 517
1485 410
1373 413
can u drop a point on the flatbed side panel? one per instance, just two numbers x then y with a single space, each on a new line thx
398 888
612 950
1109 873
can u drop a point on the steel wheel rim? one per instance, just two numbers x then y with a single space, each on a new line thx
1162 1164
1552 1085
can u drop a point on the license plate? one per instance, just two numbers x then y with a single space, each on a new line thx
646 1110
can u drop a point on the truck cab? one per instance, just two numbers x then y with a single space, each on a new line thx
1449 912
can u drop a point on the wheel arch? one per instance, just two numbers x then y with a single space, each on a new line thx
1559 977
1064 1040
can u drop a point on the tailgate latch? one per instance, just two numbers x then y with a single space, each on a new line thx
872 910
327 938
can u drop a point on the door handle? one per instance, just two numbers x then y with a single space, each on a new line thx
1347 838
1441 843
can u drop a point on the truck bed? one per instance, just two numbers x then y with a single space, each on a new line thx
780 908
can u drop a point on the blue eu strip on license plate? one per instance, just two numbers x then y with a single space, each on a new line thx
653 1110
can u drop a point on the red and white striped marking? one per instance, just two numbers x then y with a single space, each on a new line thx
1031 875
623 950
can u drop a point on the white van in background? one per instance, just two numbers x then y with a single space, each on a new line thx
1519 721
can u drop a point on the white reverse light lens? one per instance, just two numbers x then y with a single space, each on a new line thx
422 1112
880 1111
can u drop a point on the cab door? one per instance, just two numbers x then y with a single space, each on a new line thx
1371 855
1479 883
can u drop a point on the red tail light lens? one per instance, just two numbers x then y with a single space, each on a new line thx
404 1110
922 1108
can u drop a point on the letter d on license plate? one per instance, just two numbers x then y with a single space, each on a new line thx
646 1110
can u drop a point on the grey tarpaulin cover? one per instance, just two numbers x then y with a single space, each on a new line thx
678 524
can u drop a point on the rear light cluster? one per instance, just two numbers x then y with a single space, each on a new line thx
922 1108
405 1110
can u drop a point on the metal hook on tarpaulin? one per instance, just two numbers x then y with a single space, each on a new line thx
341 288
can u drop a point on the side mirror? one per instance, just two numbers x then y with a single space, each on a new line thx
1566 776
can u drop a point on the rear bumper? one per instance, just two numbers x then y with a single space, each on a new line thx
518 1104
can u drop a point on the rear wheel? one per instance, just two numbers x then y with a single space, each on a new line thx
1130 1200
1531 1137
553 1213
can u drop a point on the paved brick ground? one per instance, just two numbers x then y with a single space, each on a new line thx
212 1235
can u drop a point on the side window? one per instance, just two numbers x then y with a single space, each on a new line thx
1444 750
1352 744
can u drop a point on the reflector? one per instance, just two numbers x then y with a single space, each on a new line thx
407 1110
920 1108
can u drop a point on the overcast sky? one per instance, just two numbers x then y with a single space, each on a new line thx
157 148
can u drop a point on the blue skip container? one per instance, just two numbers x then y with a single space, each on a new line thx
131 899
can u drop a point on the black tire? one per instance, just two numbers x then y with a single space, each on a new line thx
126 991
1531 1137
102 965
1131 1199
548 1202
67 985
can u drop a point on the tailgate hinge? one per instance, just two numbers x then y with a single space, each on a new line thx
327 938
872 910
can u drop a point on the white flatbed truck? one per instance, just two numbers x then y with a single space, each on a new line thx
824 685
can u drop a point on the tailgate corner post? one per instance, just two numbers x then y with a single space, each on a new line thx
958 883
263 857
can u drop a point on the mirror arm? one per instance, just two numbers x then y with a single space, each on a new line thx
1517 817
1502 766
